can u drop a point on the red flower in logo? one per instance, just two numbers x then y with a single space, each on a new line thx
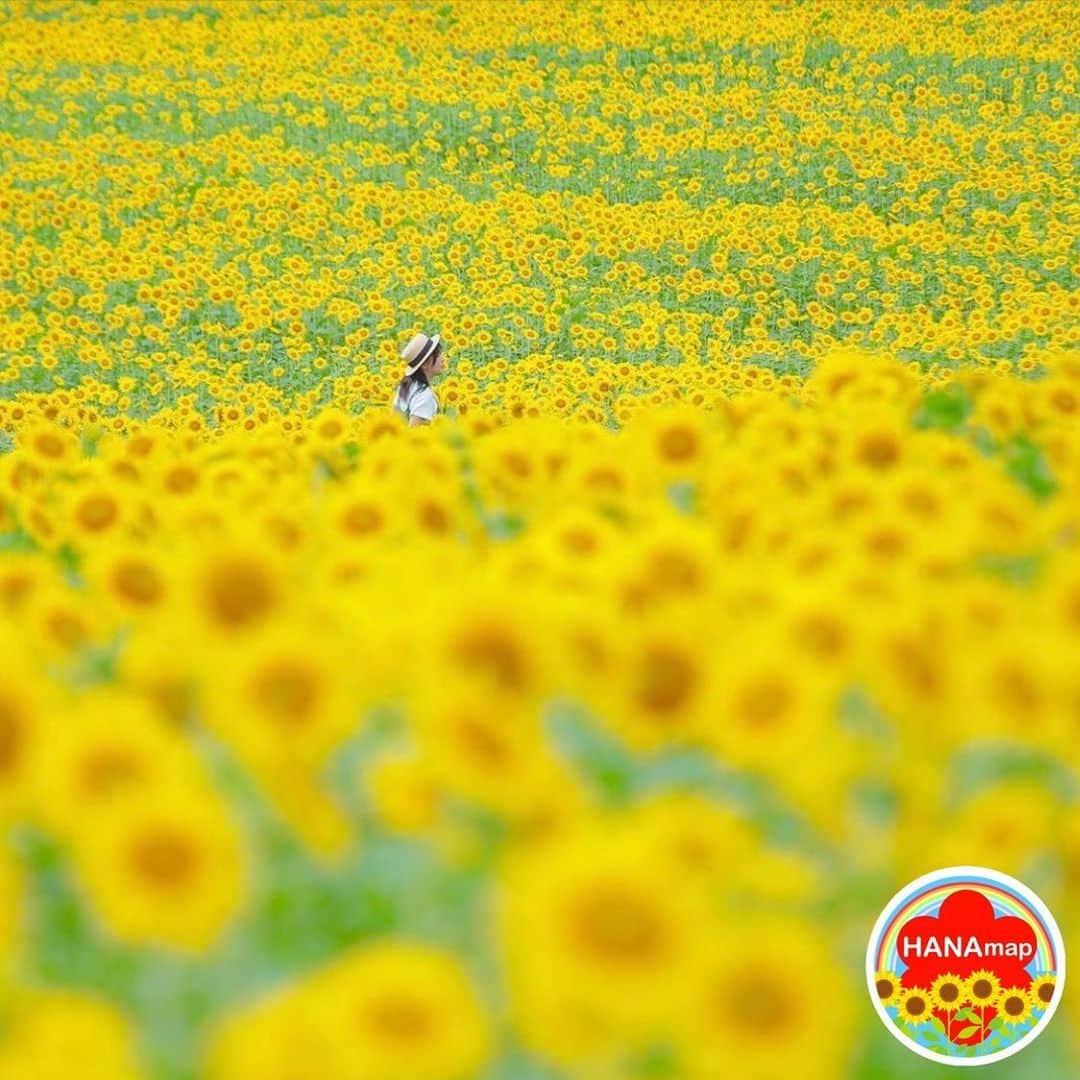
962 938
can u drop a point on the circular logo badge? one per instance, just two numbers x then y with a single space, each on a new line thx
965 966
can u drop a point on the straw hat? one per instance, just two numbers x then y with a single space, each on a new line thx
419 349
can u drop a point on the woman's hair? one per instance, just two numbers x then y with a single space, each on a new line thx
417 378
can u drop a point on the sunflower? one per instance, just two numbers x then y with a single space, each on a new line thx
361 514
167 869
49 444
393 1010
915 1006
673 440
94 511
887 987
749 1005
330 427
60 623
235 587
403 1011
135 579
947 991
483 746
694 837
108 749
1015 1005
276 1037
21 575
775 708
1042 991
282 696
665 693
599 947
45 1030
982 988
488 638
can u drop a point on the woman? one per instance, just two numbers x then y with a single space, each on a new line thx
414 397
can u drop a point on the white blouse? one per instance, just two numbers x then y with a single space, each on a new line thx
420 403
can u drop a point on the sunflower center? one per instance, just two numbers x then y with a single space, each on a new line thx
181 480
67 628
915 1006
915 666
1065 401
10 736
886 543
1018 689
49 446
517 464
600 480
239 594
288 692
949 992
673 570
107 770
580 541
434 518
822 635
1014 1006
483 742
138 582
97 513
361 519
1046 992
401 1019
666 680
879 451
678 444
16 588
885 987
165 859
981 989
619 927
921 502
764 702
768 1011
492 650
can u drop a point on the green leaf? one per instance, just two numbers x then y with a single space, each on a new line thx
683 496
967 1014
1026 465
966 1033
946 409
938 1025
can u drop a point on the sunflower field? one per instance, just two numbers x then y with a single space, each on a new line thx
583 733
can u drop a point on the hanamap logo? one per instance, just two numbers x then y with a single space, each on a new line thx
965 966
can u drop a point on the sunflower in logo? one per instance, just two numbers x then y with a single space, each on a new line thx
887 986
1042 991
982 988
915 1006
1015 1005
947 991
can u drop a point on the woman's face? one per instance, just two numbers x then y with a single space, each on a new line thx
437 364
